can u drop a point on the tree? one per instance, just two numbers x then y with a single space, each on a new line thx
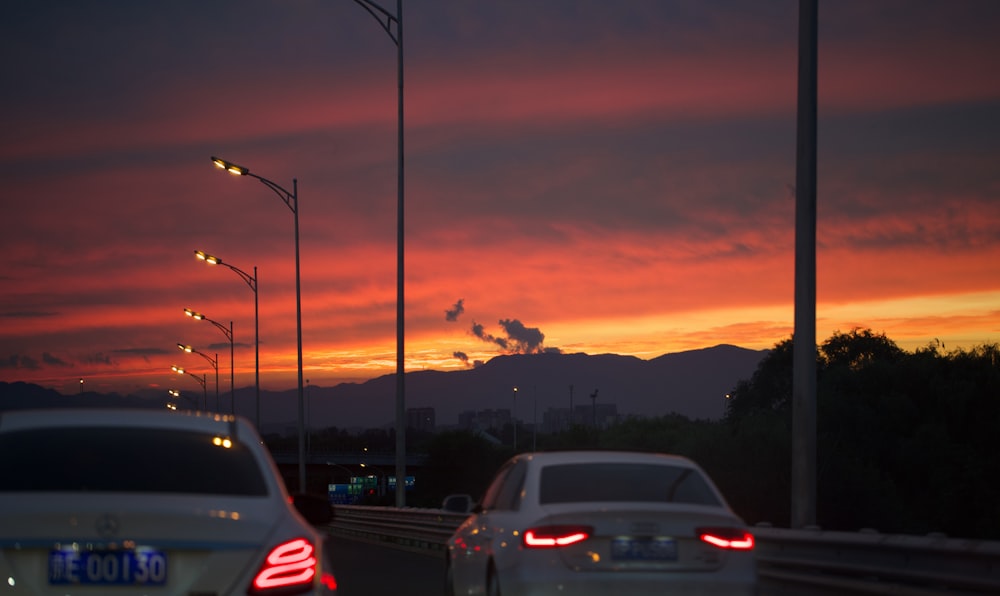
768 390
458 462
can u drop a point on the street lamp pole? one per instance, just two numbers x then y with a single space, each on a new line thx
251 280
215 364
513 418
202 380
177 394
386 20
804 338
291 200
228 332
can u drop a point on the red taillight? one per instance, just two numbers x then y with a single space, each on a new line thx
288 565
556 536
328 580
727 538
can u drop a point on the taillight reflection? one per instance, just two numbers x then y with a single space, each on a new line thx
289 564
556 536
727 538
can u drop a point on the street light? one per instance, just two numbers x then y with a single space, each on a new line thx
291 200
215 364
251 281
229 335
386 20
202 380
177 394
513 418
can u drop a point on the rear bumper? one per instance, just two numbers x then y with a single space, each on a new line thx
515 583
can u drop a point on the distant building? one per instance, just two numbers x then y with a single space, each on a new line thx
595 415
483 419
556 420
420 419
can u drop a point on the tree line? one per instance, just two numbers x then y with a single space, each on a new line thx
905 440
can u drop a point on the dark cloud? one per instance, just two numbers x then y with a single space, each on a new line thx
453 313
480 332
461 356
99 358
143 351
224 346
51 360
524 340
517 338
19 361
27 314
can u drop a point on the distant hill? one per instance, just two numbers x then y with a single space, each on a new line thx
693 384
21 396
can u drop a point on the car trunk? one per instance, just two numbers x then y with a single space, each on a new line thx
641 537
169 543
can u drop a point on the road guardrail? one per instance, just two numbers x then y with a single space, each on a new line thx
808 561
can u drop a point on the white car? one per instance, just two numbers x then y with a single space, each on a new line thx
601 523
129 502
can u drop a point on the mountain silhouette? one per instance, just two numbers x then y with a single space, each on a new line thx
692 383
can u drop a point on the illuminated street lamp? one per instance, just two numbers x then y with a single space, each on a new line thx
215 364
177 395
387 20
251 281
202 380
291 200
229 335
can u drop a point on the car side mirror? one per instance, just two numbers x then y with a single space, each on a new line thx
457 504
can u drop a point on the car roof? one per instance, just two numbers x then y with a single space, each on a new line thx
208 422
609 456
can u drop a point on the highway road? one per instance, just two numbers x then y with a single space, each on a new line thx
365 569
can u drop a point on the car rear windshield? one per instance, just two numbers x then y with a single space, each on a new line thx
114 459
624 482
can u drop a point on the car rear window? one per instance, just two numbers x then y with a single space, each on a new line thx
113 459
624 482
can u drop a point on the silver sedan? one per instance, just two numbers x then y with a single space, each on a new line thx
601 523
130 502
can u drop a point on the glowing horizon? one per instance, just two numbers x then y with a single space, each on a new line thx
612 179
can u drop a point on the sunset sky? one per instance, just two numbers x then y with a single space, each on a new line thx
580 175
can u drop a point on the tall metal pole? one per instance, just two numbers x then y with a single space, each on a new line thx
228 332
804 339
400 353
232 371
386 20
513 418
291 200
216 382
298 325
256 344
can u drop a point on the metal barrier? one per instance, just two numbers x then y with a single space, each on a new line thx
868 562
415 529
800 562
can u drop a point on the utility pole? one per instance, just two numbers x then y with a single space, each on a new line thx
804 339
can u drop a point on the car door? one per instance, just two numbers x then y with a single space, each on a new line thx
472 541
491 536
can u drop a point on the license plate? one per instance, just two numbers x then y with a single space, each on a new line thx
108 567
644 549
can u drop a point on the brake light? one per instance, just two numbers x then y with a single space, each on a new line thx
727 538
288 565
556 536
